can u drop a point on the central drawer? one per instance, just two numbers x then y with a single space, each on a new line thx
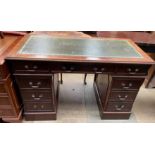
122 96
36 95
69 67
34 82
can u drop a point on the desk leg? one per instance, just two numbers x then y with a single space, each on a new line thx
95 77
85 76
61 80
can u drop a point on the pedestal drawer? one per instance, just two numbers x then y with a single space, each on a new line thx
36 95
38 106
34 82
122 96
126 83
119 106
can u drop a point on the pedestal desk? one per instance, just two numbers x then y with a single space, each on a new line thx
36 61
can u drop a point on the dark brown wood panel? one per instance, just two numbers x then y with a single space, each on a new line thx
133 70
30 67
122 96
38 106
126 83
34 82
119 107
36 95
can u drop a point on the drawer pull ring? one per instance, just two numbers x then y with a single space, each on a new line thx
72 68
35 106
119 107
42 106
129 69
126 87
35 67
34 86
102 69
122 98
26 67
136 70
36 98
95 69
64 68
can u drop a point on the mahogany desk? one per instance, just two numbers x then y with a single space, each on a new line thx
119 64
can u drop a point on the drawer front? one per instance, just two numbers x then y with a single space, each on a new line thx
7 113
30 67
127 83
34 82
38 106
4 100
133 69
36 96
119 107
122 96
70 67
2 88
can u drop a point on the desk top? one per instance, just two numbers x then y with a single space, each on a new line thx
45 47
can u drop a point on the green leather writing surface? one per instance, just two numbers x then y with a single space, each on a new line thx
45 45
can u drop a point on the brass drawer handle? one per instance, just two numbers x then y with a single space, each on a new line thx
118 108
102 69
35 67
35 106
72 68
68 70
95 69
64 68
122 98
37 98
134 71
126 87
26 67
42 106
35 86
